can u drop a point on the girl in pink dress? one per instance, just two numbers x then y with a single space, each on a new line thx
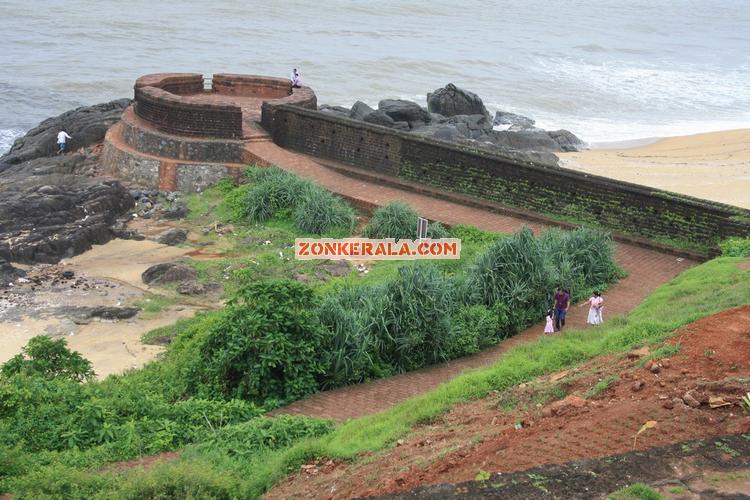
596 303
550 326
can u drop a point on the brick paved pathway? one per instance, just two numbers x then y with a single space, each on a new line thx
647 269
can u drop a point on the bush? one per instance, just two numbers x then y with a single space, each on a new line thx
248 438
263 346
736 247
272 192
513 271
579 259
414 324
48 358
398 220
474 328
353 354
320 212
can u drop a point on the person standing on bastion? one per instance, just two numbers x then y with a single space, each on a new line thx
296 79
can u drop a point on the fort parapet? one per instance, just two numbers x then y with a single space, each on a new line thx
181 135
492 181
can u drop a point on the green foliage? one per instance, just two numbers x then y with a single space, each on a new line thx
637 491
354 352
474 328
513 272
470 235
415 321
272 192
736 247
263 346
246 439
398 220
579 260
320 212
48 358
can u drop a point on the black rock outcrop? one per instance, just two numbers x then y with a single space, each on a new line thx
451 101
48 210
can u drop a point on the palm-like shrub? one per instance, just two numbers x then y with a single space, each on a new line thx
579 259
319 212
354 352
415 322
512 271
398 220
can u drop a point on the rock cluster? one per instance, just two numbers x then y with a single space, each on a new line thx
49 207
457 115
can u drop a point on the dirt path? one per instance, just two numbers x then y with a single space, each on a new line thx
647 269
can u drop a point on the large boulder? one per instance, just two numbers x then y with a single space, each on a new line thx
379 118
513 120
87 125
359 111
404 111
567 140
451 101
170 272
172 237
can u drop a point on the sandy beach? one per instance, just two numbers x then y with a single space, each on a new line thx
714 166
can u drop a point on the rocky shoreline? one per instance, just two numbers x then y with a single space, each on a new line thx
460 116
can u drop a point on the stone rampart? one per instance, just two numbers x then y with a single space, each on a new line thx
163 100
556 192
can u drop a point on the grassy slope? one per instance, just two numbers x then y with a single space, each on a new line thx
701 291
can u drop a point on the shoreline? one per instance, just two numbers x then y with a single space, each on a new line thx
713 165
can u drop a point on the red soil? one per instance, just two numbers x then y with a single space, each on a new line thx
714 362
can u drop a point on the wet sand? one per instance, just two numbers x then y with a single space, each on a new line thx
112 273
714 166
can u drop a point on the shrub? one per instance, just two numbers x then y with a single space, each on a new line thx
353 354
398 220
319 212
49 358
474 328
415 320
264 345
513 271
579 259
736 247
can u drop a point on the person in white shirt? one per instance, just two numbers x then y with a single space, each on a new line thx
62 136
296 79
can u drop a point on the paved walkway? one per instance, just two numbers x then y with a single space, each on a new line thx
647 269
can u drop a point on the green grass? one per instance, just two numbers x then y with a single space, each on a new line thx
601 386
637 491
706 289
212 473
665 351
152 304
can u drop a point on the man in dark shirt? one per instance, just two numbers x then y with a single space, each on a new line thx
562 303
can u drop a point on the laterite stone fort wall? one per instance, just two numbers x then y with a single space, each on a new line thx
159 100
557 192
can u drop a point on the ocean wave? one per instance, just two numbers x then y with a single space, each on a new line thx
7 137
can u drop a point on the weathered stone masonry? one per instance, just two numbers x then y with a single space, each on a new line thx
560 193
159 100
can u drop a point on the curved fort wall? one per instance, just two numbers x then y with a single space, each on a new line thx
557 192
163 101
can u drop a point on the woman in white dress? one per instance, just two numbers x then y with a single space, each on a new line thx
596 304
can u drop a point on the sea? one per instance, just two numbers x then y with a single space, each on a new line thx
608 70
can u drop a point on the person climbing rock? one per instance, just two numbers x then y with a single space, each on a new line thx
62 137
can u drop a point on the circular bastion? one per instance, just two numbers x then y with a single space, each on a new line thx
184 132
